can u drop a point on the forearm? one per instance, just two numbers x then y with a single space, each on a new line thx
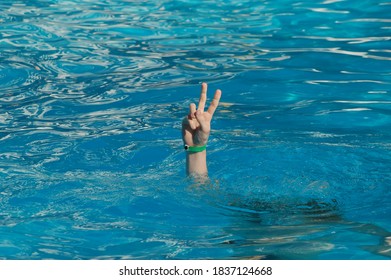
196 164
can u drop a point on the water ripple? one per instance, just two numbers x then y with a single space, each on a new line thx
162 39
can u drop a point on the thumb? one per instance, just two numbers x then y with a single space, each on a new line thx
204 123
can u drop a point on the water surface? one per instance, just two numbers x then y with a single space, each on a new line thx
91 98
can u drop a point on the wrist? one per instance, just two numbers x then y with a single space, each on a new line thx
194 149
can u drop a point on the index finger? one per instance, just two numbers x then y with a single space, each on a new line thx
201 104
215 102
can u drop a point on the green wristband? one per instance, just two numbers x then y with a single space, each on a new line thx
194 149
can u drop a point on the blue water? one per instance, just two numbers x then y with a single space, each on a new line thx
92 93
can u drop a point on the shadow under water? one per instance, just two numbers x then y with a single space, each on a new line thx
285 227
311 229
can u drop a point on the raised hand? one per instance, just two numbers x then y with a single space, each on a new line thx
196 125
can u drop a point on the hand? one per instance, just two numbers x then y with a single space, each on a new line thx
196 126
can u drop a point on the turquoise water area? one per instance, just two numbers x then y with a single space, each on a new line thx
92 93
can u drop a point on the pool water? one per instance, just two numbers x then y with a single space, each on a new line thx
92 93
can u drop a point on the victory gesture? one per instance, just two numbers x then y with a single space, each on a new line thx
196 126
196 131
